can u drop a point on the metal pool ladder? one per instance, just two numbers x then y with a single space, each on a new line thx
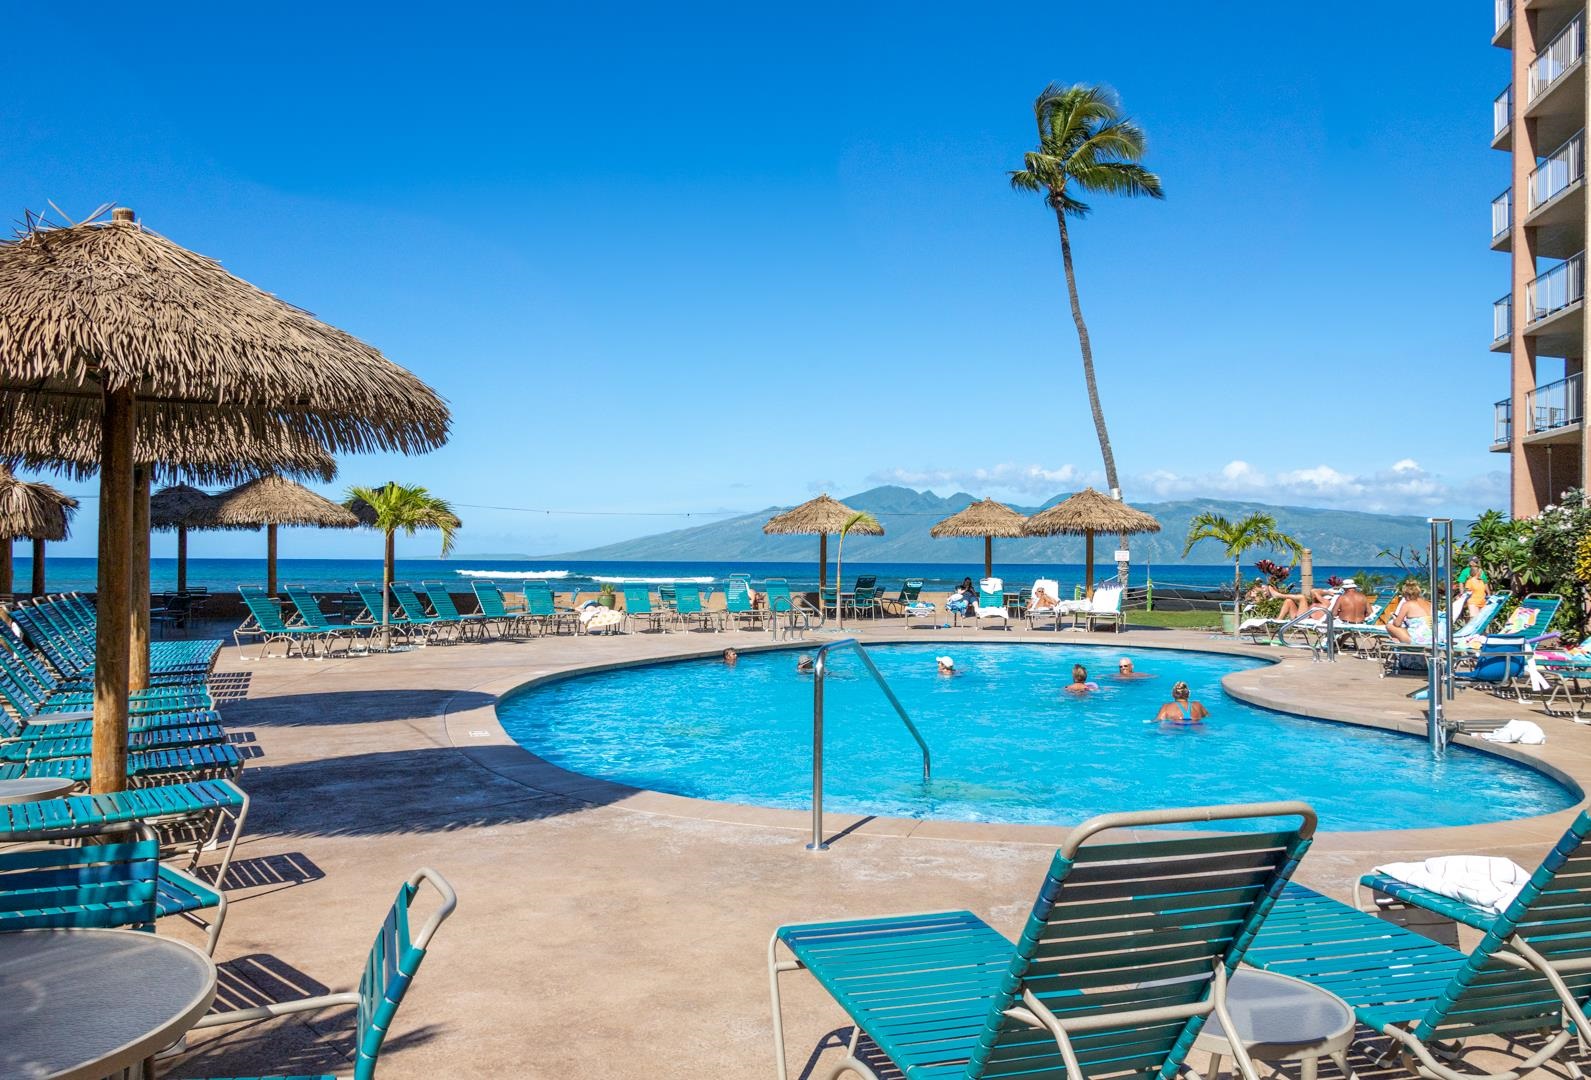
819 670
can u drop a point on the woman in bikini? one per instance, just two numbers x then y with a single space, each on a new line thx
1181 710
1413 622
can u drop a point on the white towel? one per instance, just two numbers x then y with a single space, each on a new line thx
1538 681
1487 882
1524 732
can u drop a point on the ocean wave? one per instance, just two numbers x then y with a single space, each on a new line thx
539 574
708 580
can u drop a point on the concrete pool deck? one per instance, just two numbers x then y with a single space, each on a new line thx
603 932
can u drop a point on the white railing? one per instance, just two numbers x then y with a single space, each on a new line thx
1502 111
1501 15
1555 290
1557 171
1502 422
1554 405
1561 53
1502 213
1502 318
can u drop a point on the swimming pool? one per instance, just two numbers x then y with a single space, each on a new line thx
1009 745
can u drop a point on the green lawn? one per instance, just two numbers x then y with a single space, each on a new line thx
1196 620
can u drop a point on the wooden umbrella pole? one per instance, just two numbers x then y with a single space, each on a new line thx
113 600
823 564
5 565
270 559
182 558
38 567
138 585
988 556
1088 558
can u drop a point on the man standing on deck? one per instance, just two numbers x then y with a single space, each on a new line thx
1352 607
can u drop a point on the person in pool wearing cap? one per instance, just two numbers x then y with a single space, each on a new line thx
947 666
1352 606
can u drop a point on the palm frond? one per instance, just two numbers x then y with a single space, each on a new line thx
1118 178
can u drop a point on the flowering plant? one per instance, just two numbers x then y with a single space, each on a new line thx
1275 572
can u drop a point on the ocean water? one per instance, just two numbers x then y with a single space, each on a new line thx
1008 743
218 575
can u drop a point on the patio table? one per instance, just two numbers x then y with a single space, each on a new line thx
33 788
82 1004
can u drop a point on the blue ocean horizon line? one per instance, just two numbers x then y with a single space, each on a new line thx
78 573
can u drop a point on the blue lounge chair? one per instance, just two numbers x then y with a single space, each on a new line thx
638 606
472 625
212 761
394 959
1125 953
738 606
434 627
690 611
541 608
274 627
490 597
1530 972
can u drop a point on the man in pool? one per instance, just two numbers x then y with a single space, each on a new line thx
1181 710
730 656
1080 683
947 666
804 665
1124 670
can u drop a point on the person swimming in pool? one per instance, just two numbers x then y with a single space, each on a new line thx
731 656
1182 710
1124 670
946 666
1080 683
804 665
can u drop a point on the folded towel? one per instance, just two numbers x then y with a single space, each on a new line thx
1487 882
1523 732
921 607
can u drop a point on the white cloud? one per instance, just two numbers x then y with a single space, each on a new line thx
1006 478
1403 487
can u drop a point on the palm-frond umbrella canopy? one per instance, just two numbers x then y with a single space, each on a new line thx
1086 513
273 501
820 516
986 518
106 326
30 511
182 507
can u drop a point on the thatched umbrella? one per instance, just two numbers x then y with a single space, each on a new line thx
106 325
986 518
821 516
32 511
274 501
182 507
1086 513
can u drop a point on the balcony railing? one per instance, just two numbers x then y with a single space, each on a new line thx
1555 290
1502 318
1502 111
1557 171
1503 13
1554 405
1559 55
1503 422
1502 213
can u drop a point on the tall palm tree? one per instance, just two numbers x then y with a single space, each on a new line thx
1087 146
406 508
861 517
1236 537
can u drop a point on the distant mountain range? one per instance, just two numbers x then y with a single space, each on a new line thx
1336 537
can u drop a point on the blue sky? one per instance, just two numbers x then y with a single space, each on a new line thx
717 257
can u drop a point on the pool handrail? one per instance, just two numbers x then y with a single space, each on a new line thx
819 670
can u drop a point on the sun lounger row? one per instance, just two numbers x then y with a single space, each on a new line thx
1134 938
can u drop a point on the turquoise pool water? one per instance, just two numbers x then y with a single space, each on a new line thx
1009 745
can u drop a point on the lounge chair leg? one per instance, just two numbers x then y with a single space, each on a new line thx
853 1066
775 967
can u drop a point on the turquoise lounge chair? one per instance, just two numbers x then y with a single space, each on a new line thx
790 609
394 959
96 886
1125 953
433 627
490 597
689 609
541 608
212 761
910 593
738 606
471 625
273 627
638 605
1530 972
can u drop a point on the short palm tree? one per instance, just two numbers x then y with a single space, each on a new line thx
1086 146
406 508
1236 537
861 517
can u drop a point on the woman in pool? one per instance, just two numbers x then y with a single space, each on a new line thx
1080 683
1124 670
1181 710
1413 624
804 665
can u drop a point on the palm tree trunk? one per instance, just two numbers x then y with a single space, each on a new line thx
387 559
839 583
1237 595
1088 361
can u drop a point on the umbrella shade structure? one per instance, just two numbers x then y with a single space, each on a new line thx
986 518
181 507
1086 513
109 329
30 511
820 516
274 501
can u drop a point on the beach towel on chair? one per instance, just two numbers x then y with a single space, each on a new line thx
1482 880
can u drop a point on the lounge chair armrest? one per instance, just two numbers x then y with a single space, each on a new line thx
282 1008
73 717
450 901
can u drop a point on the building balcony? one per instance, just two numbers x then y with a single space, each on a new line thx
1555 86
1554 306
1503 24
1553 411
1502 424
1556 202
1503 120
1502 220
1502 323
